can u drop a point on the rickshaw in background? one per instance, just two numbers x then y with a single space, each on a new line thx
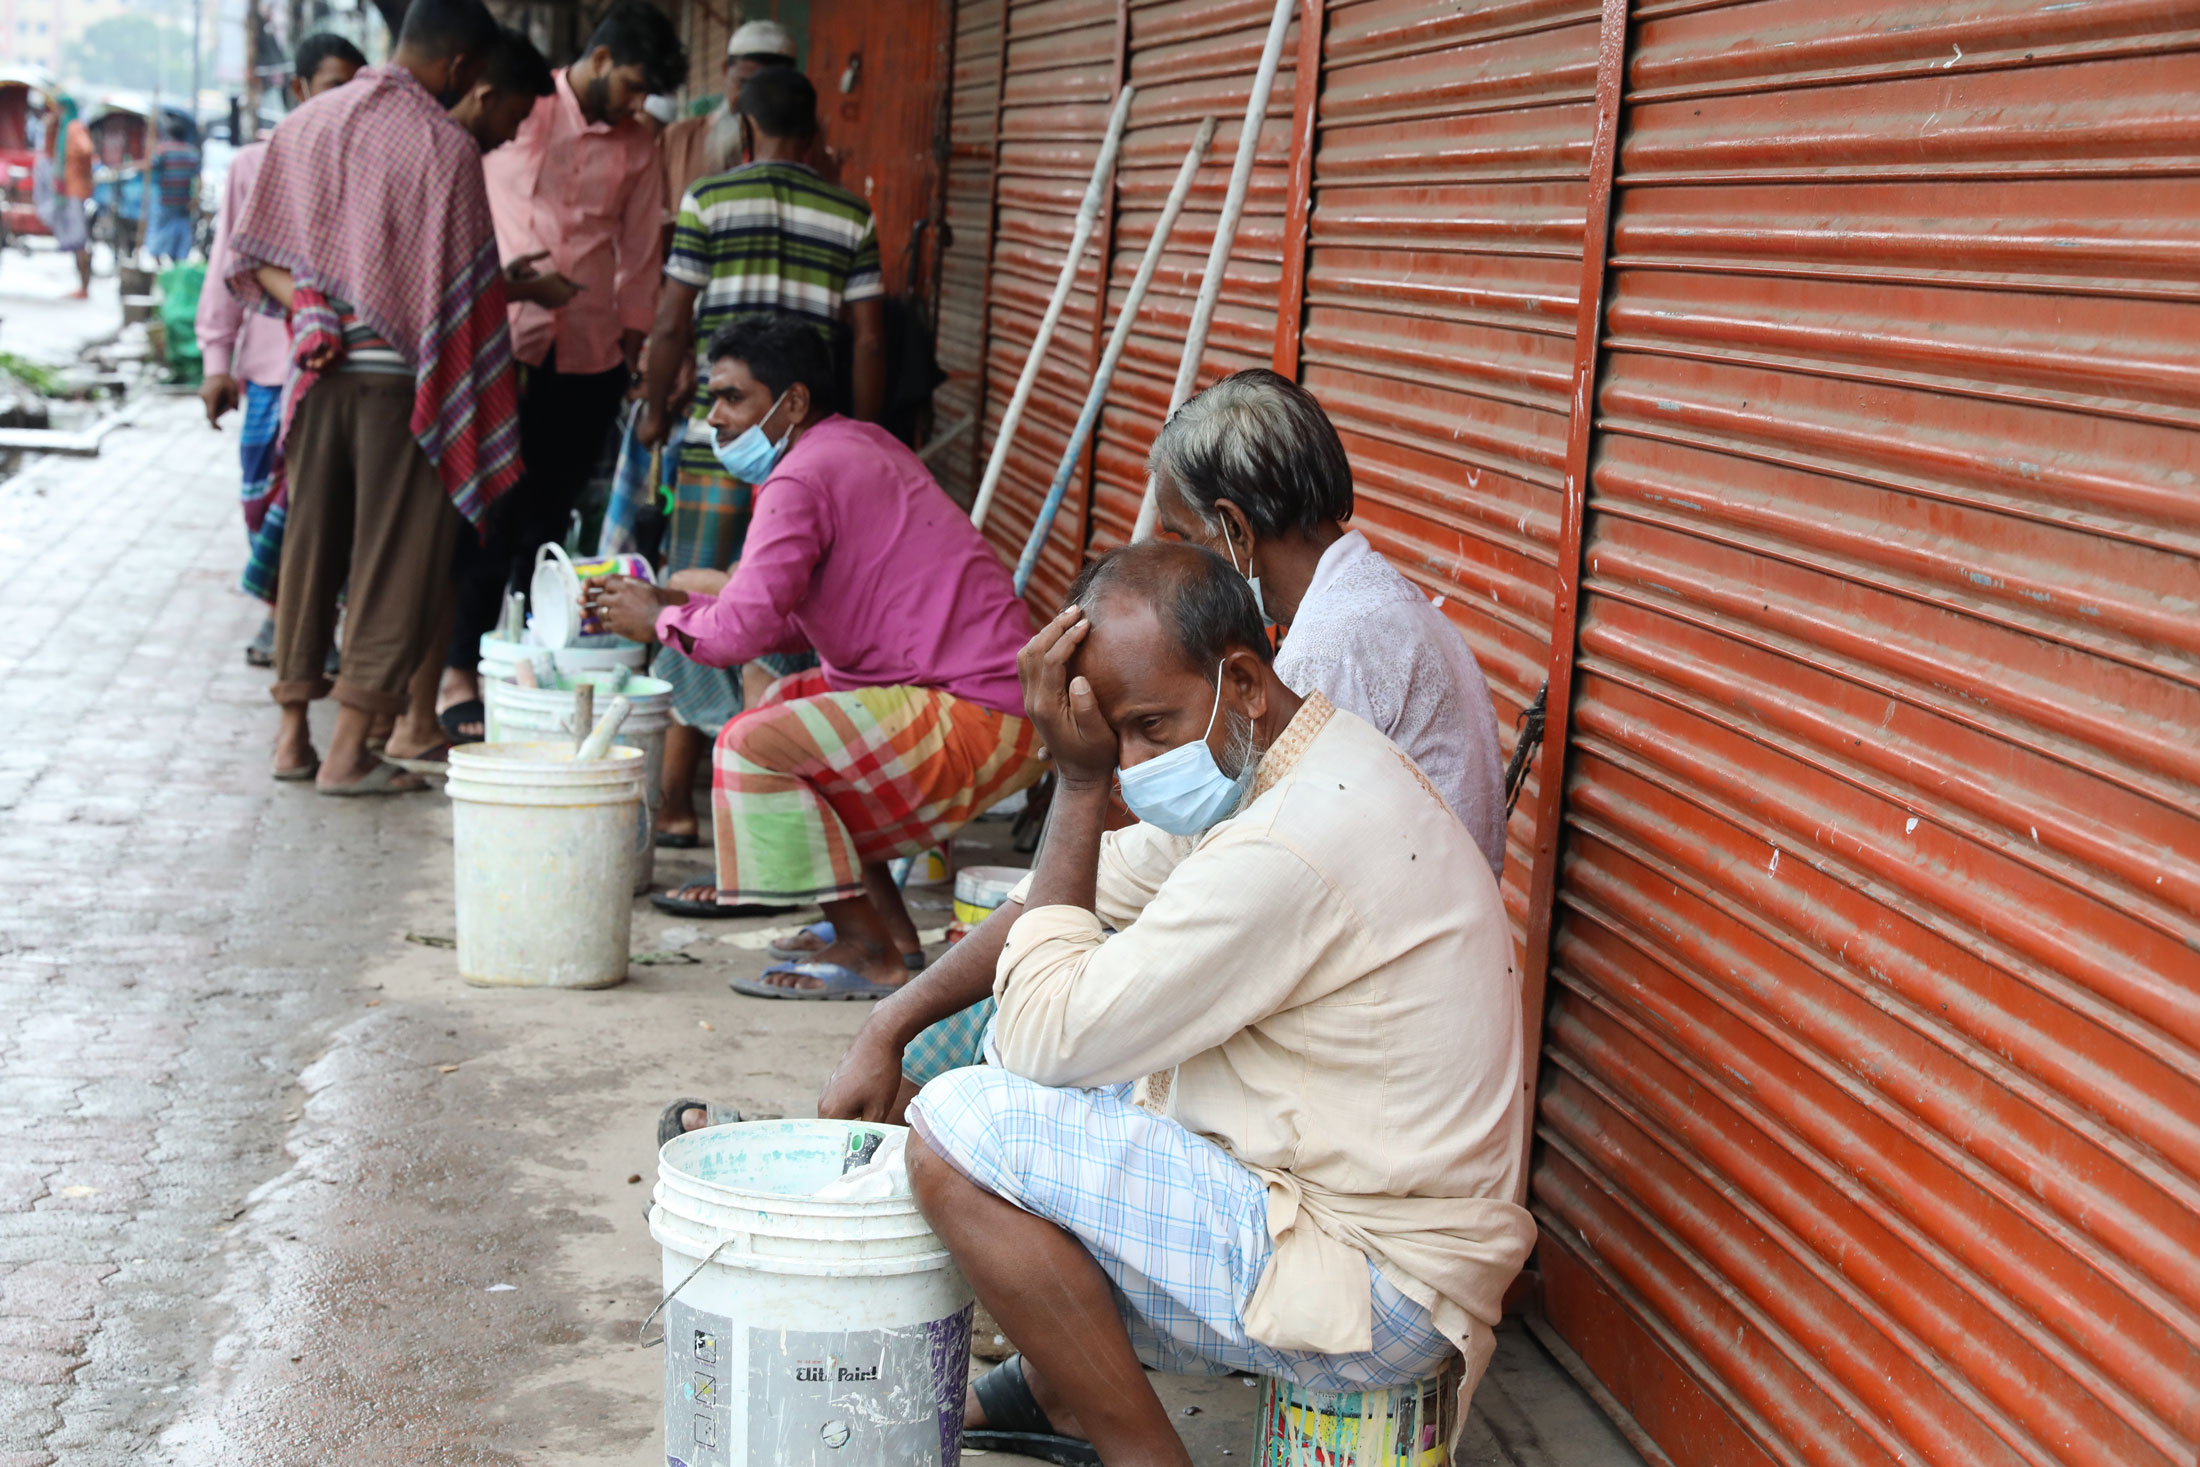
23 97
123 139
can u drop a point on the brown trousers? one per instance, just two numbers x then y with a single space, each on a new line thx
370 523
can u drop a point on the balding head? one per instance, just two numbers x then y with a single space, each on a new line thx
1204 605
1175 651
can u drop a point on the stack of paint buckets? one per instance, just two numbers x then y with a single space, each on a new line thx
978 891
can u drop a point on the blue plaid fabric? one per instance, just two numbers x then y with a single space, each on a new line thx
1180 1228
263 418
954 1043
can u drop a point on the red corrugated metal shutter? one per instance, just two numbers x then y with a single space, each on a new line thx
1870 1121
1443 267
1059 81
1189 59
973 107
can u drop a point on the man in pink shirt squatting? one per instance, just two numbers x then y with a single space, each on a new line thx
248 352
912 726
582 182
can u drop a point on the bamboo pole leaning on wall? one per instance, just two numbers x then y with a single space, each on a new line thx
1218 257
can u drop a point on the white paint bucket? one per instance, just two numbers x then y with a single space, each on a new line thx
514 712
545 848
801 1331
1402 1426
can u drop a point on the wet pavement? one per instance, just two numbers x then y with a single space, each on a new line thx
275 1185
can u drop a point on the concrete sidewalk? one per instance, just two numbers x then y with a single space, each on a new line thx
274 1184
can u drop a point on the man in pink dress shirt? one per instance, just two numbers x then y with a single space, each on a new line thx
248 353
912 726
582 182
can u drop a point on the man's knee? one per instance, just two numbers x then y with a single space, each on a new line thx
933 1179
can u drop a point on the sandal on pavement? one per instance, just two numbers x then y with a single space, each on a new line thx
455 717
840 983
714 1114
915 962
380 780
678 840
1014 1423
680 903
435 761
299 775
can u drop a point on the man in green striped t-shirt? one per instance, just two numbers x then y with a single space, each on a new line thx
767 237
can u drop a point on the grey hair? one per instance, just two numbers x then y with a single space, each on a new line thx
1261 441
1242 751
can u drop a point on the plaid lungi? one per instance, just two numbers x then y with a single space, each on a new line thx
1179 1226
953 1043
709 520
811 785
263 510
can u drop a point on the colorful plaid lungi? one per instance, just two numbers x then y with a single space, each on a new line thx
811 785
263 509
1179 1225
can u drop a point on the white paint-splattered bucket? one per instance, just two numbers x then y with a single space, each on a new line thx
545 847
803 1331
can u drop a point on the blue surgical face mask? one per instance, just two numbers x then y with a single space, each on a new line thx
1184 791
1253 581
752 456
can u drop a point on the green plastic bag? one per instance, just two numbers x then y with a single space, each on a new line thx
179 309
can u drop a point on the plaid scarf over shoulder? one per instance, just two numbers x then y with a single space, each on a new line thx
371 194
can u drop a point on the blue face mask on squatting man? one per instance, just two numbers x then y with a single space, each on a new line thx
1184 791
752 456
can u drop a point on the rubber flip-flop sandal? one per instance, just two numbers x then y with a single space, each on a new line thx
299 775
678 840
458 714
381 780
822 931
840 983
680 906
437 761
1014 1423
668 1121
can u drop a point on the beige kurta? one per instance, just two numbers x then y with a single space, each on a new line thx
1329 975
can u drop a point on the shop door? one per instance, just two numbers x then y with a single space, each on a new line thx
881 72
1870 1116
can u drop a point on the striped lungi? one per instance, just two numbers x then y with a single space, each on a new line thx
812 785
263 509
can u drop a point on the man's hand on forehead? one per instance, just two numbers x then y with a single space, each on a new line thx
1061 702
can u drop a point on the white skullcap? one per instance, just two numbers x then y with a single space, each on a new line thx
761 38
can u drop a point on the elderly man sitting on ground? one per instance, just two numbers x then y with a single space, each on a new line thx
1310 984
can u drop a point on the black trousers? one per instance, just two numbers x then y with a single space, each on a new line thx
563 419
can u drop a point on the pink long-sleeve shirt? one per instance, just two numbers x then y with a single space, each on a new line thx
234 341
593 195
855 550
